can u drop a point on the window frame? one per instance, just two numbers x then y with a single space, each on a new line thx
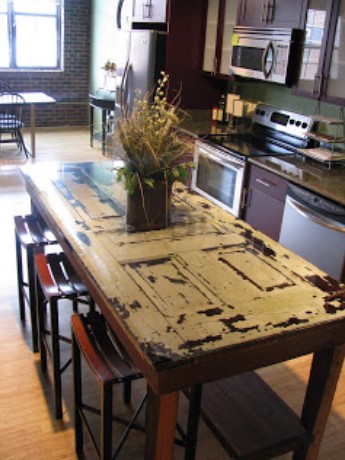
11 21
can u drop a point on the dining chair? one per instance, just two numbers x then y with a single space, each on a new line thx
12 112
5 86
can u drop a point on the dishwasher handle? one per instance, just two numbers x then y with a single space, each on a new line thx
314 217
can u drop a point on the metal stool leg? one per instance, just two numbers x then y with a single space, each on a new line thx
55 350
77 391
20 278
106 421
32 297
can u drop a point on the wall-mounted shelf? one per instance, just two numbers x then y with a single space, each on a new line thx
325 151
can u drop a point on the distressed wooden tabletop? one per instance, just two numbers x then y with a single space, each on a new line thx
206 283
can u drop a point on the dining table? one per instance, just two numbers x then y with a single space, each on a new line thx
204 299
33 99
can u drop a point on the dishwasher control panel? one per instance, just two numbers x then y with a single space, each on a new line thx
318 203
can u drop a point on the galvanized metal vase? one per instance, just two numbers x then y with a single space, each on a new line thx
149 208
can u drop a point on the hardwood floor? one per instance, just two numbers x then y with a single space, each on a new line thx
27 427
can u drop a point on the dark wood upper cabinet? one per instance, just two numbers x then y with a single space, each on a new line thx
322 72
271 13
221 17
184 55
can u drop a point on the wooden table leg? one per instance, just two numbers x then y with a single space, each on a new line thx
161 425
324 376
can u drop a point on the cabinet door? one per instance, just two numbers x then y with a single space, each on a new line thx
335 83
265 214
210 60
270 13
311 71
149 10
229 23
266 200
221 18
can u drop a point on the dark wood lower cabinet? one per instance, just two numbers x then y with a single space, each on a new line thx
266 194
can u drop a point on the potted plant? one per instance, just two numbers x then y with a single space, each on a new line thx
110 68
154 155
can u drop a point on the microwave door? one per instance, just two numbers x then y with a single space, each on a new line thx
252 58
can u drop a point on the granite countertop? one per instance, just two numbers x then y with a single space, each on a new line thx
310 174
314 176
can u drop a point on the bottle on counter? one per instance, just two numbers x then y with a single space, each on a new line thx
214 115
221 115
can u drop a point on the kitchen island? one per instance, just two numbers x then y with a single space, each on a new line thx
205 299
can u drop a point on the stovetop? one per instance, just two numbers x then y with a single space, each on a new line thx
252 145
273 132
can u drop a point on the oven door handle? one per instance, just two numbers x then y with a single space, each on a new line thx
314 217
267 71
222 161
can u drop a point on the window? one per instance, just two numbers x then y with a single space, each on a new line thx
30 34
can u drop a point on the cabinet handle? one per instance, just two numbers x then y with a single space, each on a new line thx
270 10
317 87
262 182
215 62
246 198
264 12
147 7
243 10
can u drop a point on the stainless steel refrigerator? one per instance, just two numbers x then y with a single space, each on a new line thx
140 57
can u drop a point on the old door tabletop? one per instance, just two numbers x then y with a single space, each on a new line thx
204 299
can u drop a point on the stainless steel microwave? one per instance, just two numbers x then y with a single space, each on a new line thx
271 55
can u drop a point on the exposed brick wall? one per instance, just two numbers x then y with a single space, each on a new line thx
70 87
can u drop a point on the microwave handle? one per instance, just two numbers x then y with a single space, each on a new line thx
265 71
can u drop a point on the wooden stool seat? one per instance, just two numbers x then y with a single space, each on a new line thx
31 233
56 280
110 365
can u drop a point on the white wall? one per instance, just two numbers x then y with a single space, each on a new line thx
103 30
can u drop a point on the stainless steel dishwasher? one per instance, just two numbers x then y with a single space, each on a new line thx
314 228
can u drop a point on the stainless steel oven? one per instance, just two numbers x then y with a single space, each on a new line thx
218 176
221 159
266 54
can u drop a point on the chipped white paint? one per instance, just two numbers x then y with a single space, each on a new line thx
207 282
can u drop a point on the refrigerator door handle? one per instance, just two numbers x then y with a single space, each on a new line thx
124 90
118 14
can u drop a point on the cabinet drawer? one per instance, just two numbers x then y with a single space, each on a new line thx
268 183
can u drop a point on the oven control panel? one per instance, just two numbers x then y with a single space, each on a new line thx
292 123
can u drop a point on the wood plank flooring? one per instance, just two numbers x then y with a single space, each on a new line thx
27 427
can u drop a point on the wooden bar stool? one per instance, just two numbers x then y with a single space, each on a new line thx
31 233
110 365
56 280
